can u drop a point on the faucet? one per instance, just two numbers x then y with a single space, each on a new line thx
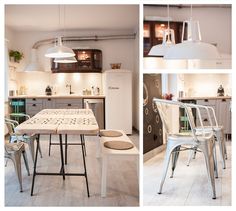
69 85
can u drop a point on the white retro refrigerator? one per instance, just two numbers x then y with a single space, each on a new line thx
117 88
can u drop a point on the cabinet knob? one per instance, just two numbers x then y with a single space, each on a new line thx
49 99
205 120
34 105
34 99
154 137
223 100
206 100
69 104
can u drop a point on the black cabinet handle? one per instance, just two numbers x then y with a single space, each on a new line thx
205 120
154 137
34 99
69 104
223 100
49 99
206 100
34 105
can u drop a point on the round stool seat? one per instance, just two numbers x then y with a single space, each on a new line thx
110 133
118 145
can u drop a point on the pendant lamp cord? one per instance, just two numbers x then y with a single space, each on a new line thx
64 15
168 13
191 12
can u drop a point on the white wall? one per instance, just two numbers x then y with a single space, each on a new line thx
114 51
196 85
215 23
136 84
121 51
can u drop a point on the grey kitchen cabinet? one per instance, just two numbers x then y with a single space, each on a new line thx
204 115
33 106
68 103
222 109
223 112
48 103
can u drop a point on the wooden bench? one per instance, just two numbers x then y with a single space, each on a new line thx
107 152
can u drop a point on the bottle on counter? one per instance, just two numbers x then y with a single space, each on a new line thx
220 91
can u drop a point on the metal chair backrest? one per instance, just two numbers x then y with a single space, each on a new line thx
198 108
11 124
213 115
163 106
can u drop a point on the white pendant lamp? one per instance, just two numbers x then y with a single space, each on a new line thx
65 60
60 51
34 64
192 47
168 40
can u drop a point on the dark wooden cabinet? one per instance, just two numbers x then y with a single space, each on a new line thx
153 33
152 124
88 60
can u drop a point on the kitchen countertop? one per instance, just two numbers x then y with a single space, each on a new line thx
56 96
202 98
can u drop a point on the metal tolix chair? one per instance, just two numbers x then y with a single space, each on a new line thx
217 130
203 142
15 137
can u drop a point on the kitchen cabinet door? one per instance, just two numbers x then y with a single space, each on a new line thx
153 33
152 124
88 60
48 103
224 114
204 115
64 103
33 106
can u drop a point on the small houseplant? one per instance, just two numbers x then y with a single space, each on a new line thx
16 56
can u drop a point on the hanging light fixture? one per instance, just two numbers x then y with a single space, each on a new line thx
168 40
60 51
65 60
34 64
192 47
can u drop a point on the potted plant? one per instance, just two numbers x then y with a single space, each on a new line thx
16 56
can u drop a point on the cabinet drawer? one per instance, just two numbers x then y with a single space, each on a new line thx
68 106
34 100
67 100
206 102
33 108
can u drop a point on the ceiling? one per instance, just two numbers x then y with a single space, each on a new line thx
189 5
86 17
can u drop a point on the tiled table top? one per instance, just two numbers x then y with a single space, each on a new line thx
61 121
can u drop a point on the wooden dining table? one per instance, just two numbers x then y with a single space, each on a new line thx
60 122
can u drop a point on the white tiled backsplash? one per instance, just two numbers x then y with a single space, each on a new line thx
196 85
37 82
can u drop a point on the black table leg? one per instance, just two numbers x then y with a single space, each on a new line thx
85 171
35 164
50 140
85 153
62 158
66 147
